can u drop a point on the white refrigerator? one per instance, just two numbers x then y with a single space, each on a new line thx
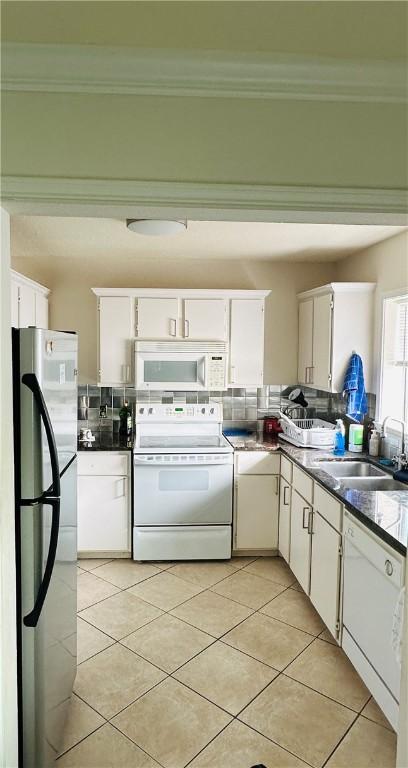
45 443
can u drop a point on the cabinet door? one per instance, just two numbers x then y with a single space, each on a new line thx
246 343
103 514
284 519
257 521
300 540
14 304
41 311
157 318
115 331
26 306
205 319
325 572
322 334
305 344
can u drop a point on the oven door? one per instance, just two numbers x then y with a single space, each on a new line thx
169 371
177 489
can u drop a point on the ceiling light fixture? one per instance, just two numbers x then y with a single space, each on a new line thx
156 226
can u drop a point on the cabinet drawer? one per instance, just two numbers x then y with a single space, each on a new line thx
286 469
328 507
103 463
258 463
302 483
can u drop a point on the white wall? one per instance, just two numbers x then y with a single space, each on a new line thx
73 306
385 264
8 654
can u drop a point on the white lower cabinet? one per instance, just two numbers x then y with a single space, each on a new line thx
103 505
257 512
284 519
325 572
256 501
300 545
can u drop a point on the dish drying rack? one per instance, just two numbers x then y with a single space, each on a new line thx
308 433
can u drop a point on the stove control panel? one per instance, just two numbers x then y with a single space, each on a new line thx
162 412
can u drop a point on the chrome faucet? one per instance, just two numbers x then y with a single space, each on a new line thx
401 458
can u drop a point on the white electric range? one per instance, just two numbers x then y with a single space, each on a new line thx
183 478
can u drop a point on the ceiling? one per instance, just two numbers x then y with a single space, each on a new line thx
356 30
43 237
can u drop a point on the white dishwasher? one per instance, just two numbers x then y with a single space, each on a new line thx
373 578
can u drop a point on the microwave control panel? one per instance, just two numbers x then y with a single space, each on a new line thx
216 371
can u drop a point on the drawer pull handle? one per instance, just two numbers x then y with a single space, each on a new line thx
305 511
285 488
389 569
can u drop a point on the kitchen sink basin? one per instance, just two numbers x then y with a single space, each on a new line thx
373 484
351 469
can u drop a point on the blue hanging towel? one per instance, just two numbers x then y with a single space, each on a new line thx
354 388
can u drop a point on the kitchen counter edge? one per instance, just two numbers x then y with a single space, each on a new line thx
373 508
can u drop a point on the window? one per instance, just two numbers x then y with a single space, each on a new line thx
394 363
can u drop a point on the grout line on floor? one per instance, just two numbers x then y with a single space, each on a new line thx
342 739
326 696
136 745
245 605
62 754
285 749
286 623
137 699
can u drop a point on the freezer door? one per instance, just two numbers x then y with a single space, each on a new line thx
52 357
49 648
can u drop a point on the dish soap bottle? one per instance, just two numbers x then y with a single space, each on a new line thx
374 443
339 438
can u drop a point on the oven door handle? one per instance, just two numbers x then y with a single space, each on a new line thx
145 462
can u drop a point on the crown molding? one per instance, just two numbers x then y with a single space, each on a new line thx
26 193
149 72
23 280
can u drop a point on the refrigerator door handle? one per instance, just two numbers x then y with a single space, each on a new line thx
31 620
30 380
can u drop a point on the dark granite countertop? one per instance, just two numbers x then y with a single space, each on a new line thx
384 512
107 442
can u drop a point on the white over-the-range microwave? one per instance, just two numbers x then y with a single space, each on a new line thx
186 365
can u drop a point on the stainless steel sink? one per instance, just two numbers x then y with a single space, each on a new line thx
373 483
351 469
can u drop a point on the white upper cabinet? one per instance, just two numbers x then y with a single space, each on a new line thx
29 302
15 293
157 318
41 311
205 319
322 331
201 319
234 317
246 343
334 321
26 306
305 348
115 345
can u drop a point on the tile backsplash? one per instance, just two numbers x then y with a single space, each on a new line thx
98 407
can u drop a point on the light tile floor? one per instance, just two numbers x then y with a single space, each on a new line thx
213 665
